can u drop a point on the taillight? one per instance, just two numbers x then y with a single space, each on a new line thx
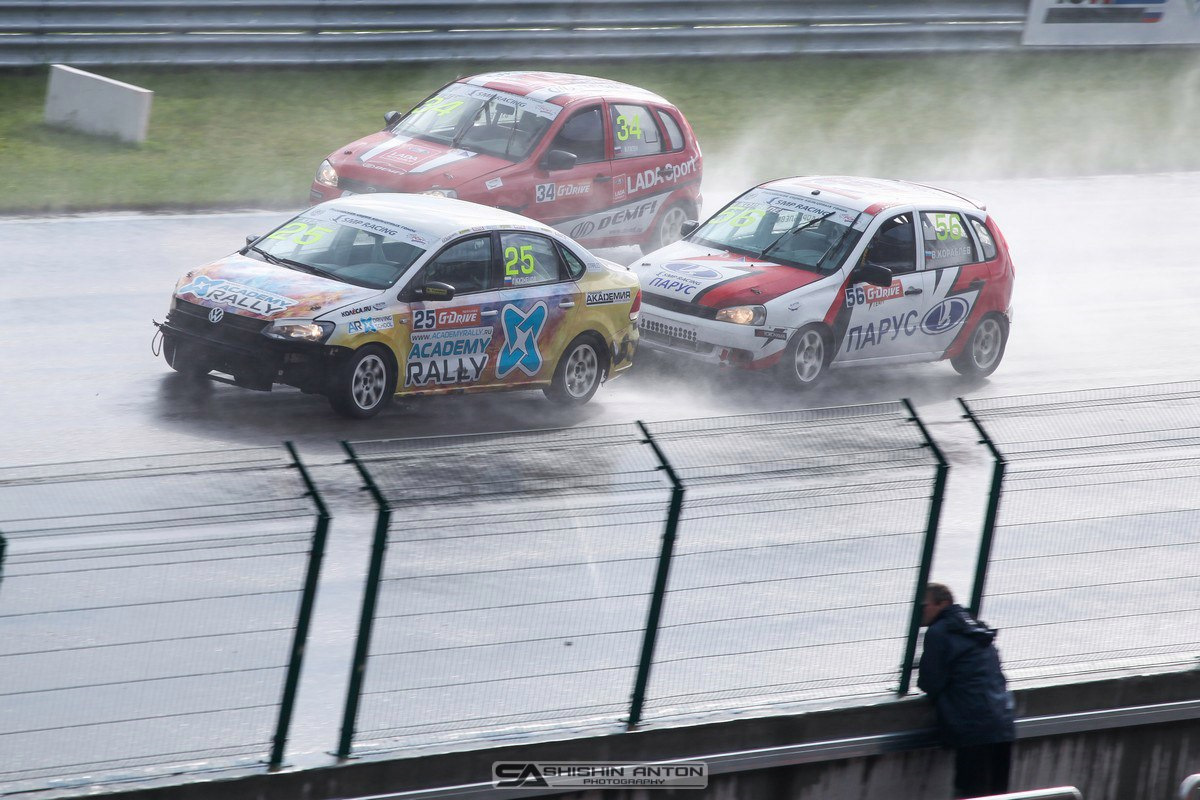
637 305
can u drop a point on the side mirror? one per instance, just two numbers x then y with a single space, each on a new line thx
389 119
558 160
688 227
874 274
435 291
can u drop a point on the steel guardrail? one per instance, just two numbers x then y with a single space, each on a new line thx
287 32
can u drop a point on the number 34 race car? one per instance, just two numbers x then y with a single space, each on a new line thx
802 274
364 298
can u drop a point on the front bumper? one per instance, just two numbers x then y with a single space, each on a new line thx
236 347
709 341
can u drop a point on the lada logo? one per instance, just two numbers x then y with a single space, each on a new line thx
693 271
215 315
945 315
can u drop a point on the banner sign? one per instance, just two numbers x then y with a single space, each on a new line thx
1092 22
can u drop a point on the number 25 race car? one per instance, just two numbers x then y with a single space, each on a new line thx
802 274
364 298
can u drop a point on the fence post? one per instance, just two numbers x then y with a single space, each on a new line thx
931 528
370 597
304 618
660 583
993 509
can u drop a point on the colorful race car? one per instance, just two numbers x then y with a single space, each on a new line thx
606 163
363 298
802 274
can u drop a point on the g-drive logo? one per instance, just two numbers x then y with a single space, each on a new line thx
598 774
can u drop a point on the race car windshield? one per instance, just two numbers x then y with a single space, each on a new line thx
481 120
342 245
794 230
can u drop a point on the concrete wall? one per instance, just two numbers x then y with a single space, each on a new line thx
1142 762
93 104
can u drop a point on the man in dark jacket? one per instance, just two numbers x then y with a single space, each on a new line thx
960 671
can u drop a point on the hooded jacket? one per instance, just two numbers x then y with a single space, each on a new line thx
960 671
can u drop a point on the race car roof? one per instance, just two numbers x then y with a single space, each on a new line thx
873 195
560 87
433 216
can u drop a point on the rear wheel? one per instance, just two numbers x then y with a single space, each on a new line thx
806 358
669 228
578 374
364 385
984 349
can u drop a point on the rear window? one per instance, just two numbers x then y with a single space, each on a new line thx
674 135
634 131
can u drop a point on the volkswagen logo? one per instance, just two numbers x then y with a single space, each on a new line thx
945 315
693 271
215 315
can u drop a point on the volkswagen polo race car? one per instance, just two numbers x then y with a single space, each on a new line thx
363 298
604 162
802 274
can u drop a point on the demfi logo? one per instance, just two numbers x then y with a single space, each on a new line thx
697 271
216 315
521 331
945 315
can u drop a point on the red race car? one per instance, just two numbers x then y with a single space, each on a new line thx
606 163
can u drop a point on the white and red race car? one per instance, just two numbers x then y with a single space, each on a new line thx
802 274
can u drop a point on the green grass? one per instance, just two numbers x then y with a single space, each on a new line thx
253 137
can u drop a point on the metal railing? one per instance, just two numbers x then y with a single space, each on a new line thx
174 32
154 613
705 565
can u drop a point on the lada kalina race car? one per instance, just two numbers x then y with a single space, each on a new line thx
604 162
802 274
363 298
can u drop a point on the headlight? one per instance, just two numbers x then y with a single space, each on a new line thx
441 192
327 175
299 330
743 315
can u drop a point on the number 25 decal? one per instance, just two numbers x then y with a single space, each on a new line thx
301 233
521 259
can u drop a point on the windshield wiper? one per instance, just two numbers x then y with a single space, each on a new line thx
287 262
792 232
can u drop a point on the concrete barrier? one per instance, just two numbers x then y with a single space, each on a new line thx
93 104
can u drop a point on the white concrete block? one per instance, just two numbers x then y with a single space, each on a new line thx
97 105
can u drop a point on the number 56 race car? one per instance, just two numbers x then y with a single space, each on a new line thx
802 274
363 298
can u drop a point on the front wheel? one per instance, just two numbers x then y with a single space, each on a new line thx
669 228
364 385
806 359
984 349
578 374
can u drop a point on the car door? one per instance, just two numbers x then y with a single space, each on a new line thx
537 296
452 344
562 197
885 321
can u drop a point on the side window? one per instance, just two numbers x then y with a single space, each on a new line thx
985 239
674 135
466 265
947 241
528 259
583 135
575 265
634 131
894 246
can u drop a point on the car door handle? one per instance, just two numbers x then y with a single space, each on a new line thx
914 291
488 313
602 179
567 304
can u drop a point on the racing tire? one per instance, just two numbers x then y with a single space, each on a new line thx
579 373
182 359
806 358
984 348
668 229
364 385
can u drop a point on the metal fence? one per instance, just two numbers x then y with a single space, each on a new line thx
1090 553
558 580
152 613
287 32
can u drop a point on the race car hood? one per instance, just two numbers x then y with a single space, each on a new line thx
717 278
253 288
401 163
